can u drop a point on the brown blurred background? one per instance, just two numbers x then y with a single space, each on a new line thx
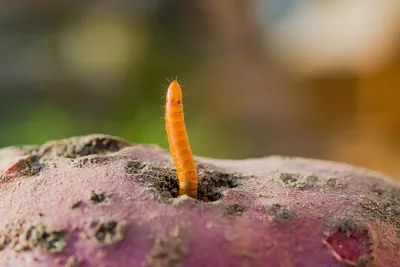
309 78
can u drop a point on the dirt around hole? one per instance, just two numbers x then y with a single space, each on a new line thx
165 181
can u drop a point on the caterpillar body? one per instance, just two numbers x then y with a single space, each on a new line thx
179 142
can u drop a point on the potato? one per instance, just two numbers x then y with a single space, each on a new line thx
101 201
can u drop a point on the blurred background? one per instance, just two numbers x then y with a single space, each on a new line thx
307 78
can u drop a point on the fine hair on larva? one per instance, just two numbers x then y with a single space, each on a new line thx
179 142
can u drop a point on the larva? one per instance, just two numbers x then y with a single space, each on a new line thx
179 142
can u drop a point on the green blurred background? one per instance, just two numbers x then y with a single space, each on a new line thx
309 78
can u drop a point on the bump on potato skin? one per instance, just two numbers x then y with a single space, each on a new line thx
101 201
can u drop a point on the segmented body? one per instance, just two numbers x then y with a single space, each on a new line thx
179 142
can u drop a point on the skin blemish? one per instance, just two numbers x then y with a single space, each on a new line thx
74 203
27 166
280 213
349 241
335 183
168 251
293 180
99 197
108 233
234 210
91 160
73 262
385 205
81 146
21 236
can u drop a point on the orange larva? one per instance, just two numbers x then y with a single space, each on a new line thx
179 142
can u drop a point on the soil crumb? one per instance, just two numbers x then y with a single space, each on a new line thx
168 251
280 213
348 227
73 262
99 197
93 160
134 167
212 183
294 180
74 203
21 236
81 146
335 183
108 233
234 210
384 204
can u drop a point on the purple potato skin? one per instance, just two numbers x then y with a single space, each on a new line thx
101 201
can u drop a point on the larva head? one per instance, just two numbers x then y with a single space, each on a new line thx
174 95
